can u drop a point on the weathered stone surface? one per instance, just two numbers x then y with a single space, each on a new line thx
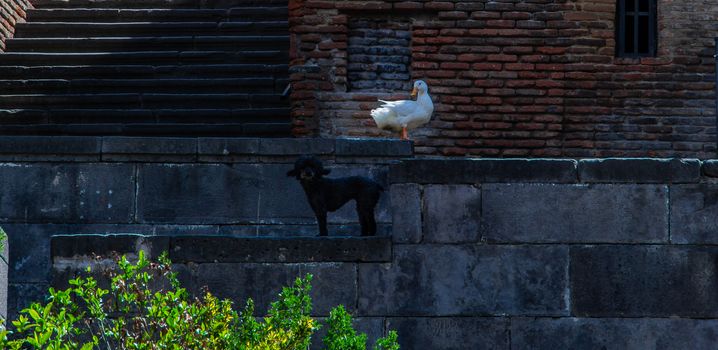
30 259
332 284
644 281
228 146
199 194
447 333
710 167
168 146
639 170
284 147
21 295
472 171
4 274
63 247
374 148
694 209
67 193
447 280
611 333
200 249
406 213
56 145
575 213
452 213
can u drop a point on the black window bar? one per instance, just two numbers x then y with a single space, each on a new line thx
636 33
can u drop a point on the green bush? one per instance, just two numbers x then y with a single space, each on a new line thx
146 308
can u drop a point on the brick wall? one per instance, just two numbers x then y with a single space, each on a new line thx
508 78
11 12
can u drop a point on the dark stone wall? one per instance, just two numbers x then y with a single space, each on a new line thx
482 253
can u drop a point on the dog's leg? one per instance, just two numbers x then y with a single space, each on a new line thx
322 222
366 219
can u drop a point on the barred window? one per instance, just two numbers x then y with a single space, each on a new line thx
636 28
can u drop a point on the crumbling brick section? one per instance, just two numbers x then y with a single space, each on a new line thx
11 12
379 54
515 78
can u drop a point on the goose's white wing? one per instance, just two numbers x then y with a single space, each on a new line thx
403 107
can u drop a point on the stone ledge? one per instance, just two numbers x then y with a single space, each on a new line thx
639 170
188 149
218 249
609 170
469 171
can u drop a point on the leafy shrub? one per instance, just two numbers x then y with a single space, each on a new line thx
146 309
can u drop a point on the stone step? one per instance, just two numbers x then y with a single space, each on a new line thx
196 85
144 115
137 100
141 57
154 4
260 129
278 44
92 29
158 15
26 72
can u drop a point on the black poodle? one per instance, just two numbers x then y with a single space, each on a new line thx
327 195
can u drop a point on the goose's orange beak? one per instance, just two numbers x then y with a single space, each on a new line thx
414 93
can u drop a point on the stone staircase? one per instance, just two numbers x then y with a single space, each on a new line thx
147 67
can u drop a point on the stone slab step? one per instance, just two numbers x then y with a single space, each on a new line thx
139 57
24 71
266 129
155 4
136 100
91 29
146 115
278 44
158 15
196 85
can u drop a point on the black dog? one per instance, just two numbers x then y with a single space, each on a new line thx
326 194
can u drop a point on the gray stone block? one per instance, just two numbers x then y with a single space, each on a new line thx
202 249
472 171
55 145
149 149
284 147
575 213
466 280
452 213
710 167
447 333
612 333
68 193
85 247
374 148
238 282
406 213
199 194
332 284
644 281
694 209
639 170
21 295
228 146
30 259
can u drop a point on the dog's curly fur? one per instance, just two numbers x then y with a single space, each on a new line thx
328 195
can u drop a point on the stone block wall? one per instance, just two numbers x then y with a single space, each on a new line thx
11 12
168 186
516 79
488 253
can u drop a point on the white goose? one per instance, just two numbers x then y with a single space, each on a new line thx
405 114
